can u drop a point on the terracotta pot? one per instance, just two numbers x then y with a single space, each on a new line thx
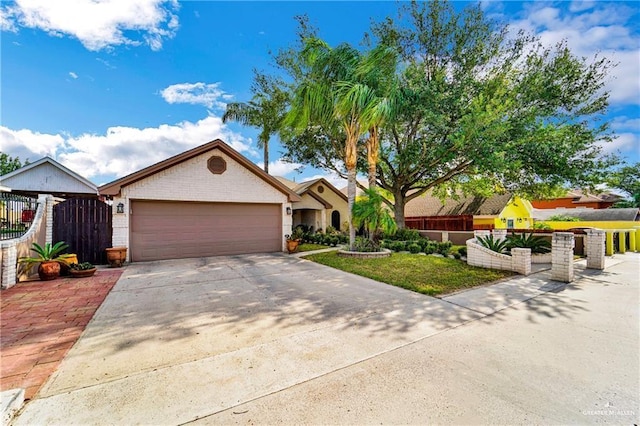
292 245
116 256
48 271
82 274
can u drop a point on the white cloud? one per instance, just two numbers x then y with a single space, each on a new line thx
624 142
73 75
333 178
96 24
626 123
280 168
592 28
207 94
121 150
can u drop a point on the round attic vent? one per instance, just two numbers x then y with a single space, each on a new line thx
321 189
217 165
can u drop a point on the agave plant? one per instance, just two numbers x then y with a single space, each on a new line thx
538 245
493 244
47 253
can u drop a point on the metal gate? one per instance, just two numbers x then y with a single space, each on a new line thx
85 225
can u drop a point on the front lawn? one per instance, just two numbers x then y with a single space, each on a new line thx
423 274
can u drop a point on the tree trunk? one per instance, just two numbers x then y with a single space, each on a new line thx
373 149
265 145
398 209
351 196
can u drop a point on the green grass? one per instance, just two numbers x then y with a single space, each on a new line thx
311 247
423 274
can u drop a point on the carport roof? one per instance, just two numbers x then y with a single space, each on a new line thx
113 188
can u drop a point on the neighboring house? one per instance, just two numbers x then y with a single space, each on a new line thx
590 215
467 213
321 204
47 176
579 199
207 201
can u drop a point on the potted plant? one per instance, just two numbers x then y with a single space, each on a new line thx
49 259
81 270
116 256
294 239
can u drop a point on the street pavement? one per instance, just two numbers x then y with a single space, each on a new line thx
272 339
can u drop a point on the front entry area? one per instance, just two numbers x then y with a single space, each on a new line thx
176 230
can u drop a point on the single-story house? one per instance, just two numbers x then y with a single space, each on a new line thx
577 198
47 176
207 201
631 214
466 213
321 204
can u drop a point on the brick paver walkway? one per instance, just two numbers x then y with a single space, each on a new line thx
41 320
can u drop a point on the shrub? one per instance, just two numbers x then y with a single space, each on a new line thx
444 248
405 234
363 244
462 251
538 245
430 247
499 246
457 255
563 218
540 225
398 246
414 248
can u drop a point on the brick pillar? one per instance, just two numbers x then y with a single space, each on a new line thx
609 244
594 248
562 256
445 236
521 260
49 219
499 234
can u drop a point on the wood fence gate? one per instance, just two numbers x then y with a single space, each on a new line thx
84 224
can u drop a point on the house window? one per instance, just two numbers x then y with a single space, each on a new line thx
510 223
217 165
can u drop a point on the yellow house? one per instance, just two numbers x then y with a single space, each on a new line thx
517 214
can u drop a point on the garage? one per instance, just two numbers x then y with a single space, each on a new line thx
207 201
175 230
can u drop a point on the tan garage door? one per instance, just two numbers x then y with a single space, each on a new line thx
174 230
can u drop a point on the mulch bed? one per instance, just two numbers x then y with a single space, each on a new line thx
41 320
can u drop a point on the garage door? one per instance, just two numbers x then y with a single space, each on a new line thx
174 230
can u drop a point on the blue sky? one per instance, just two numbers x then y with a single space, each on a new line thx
107 88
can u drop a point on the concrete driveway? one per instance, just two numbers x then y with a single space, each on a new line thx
274 339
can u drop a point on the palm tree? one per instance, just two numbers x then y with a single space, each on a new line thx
331 96
370 211
265 110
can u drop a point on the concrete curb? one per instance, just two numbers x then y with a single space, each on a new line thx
11 401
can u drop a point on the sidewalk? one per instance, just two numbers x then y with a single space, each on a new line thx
41 321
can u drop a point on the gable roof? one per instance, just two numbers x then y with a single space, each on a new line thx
26 179
113 188
428 205
591 215
305 187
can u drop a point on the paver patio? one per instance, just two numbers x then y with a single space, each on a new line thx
41 321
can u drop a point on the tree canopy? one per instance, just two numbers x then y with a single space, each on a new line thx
8 164
475 107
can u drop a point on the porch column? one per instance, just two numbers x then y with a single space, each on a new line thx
323 220
609 243
622 241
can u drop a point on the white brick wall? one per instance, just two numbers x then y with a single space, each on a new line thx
482 257
192 181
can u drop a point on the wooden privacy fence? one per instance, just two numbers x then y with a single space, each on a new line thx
84 224
441 223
